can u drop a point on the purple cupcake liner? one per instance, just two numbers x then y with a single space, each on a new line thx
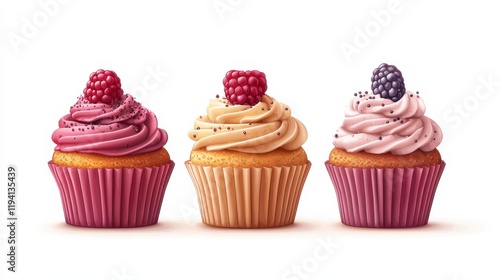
385 197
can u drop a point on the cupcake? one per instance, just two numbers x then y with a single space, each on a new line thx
384 165
109 163
247 163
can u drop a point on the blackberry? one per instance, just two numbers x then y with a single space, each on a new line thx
388 81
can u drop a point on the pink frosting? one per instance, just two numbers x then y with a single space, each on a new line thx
377 125
122 128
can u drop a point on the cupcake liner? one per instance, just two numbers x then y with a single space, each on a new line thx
112 197
248 197
385 197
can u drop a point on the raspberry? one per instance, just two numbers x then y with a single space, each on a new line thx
388 81
103 86
244 87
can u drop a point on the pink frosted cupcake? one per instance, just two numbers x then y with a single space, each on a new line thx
247 164
109 161
384 165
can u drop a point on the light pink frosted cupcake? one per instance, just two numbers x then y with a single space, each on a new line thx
109 162
384 165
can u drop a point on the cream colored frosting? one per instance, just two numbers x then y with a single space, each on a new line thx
377 125
264 127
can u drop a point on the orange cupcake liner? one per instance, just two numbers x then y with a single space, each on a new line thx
248 197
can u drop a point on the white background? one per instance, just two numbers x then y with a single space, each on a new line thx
182 49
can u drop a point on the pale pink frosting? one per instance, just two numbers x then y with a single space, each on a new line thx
123 128
377 125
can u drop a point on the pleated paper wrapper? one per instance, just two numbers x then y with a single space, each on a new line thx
248 197
385 197
112 197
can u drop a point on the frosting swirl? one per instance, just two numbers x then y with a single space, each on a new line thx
377 125
122 128
261 128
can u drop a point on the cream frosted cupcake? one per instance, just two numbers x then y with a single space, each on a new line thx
384 165
109 162
247 164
